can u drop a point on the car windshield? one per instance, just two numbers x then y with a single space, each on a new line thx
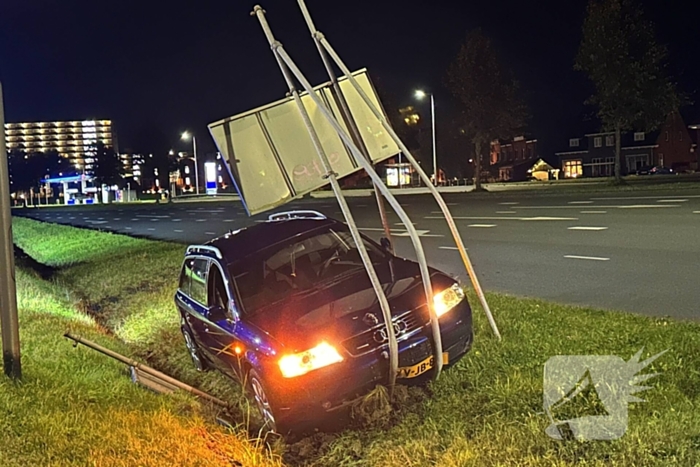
297 266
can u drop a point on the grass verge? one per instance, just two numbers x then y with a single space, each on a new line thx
487 410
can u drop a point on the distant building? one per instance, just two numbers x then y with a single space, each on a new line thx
594 154
409 115
73 140
133 165
510 160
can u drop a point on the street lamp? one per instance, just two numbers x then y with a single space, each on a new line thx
186 136
420 95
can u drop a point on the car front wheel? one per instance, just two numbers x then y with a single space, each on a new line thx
197 359
261 397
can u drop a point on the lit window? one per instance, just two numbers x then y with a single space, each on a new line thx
573 169
639 136
187 169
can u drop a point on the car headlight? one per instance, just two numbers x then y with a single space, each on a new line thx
447 299
301 363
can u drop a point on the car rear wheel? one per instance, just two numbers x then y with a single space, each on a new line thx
197 359
261 398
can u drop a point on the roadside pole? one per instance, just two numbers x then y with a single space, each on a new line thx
9 323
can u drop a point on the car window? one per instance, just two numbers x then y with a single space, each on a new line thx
217 290
301 264
198 280
185 274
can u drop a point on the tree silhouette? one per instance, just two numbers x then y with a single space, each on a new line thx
620 54
107 167
488 93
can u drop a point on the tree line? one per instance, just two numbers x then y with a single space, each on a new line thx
619 54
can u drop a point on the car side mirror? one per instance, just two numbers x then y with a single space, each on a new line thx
217 313
386 245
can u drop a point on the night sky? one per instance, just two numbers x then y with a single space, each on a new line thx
163 67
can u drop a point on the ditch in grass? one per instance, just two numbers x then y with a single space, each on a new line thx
487 410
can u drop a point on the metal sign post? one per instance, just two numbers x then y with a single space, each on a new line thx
374 279
288 65
320 39
8 288
355 133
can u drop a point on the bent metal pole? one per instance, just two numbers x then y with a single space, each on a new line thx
367 166
8 288
369 267
355 133
318 36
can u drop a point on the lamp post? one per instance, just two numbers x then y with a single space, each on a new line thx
420 95
185 136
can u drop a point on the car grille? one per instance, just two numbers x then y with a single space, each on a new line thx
405 326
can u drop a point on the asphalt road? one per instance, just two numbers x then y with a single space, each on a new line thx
638 252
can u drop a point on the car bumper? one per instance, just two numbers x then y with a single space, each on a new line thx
336 386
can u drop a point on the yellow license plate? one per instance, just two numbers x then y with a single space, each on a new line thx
420 368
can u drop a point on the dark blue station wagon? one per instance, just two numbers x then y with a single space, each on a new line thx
287 308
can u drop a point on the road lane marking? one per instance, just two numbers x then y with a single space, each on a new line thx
132 220
201 220
177 220
645 197
622 206
127 228
583 227
209 233
645 206
509 203
696 212
117 218
453 204
178 230
497 218
96 222
672 201
151 216
592 258
228 220
108 226
482 226
448 248
151 229
155 220
594 212
545 218
402 233
506 212
580 202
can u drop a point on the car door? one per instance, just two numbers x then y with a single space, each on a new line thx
194 302
221 321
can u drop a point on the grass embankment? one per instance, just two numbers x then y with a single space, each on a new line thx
75 407
485 411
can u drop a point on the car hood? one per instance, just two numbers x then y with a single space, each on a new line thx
346 307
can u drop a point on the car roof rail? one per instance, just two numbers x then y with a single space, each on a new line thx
303 214
204 248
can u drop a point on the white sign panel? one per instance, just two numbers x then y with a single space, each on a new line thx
270 153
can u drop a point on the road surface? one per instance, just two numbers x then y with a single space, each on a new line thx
638 252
